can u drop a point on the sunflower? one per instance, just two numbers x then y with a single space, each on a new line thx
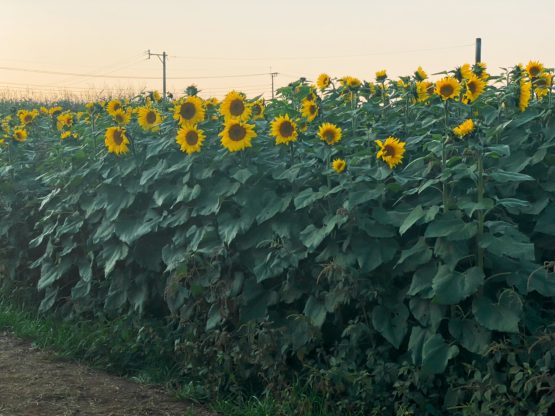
524 94
423 91
381 76
534 68
67 134
329 133
391 151
474 88
237 135
116 140
234 107
543 84
339 165
121 116
257 109
420 74
463 72
353 82
189 111
309 110
323 81
64 120
284 130
479 70
113 105
401 83
466 127
447 88
155 95
190 139
20 134
149 119
211 102
26 116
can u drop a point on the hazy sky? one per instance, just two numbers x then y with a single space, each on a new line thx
218 38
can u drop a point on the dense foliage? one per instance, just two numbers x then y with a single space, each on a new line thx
417 285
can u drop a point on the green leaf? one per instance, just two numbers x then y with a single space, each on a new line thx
542 281
415 256
501 176
312 236
315 311
307 197
503 315
112 253
451 287
436 353
214 317
391 322
444 226
546 221
411 219
470 334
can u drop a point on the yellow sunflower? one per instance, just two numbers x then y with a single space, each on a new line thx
543 84
381 75
474 88
329 133
234 107
323 81
391 151
309 110
156 96
64 120
447 88
149 119
284 130
257 109
339 165
466 127
121 116
463 72
534 68
479 70
237 135
116 140
423 91
113 105
524 94
26 116
189 111
420 74
190 139
20 134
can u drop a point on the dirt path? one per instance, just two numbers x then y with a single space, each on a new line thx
33 383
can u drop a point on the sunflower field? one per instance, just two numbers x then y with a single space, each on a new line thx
391 243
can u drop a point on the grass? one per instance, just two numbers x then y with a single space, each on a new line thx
113 346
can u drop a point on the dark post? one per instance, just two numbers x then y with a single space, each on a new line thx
478 50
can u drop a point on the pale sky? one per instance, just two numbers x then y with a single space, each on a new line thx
231 42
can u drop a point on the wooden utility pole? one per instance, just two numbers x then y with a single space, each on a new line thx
162 56
478 50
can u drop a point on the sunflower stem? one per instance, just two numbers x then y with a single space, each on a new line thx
480 211
444 159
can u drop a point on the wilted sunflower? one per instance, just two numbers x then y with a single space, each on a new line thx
381 75
64 120
309 110
339 165
447 88
329 133
420 74
524 94
474 88
149 119
284 130
257 109
116 140
234 107
121 116
466 127
534 68
237 135
113 105
542 84
391 151
20 134
323 81
189 111
190 139
423 91
26 116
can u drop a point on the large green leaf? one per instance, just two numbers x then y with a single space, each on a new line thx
503 315
436 353
451 287
391 322
470 334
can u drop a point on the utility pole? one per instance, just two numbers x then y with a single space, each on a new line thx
273 75
478 50
162 57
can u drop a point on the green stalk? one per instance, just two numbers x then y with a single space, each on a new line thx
444 158
481 214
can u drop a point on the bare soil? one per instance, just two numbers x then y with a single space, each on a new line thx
36 383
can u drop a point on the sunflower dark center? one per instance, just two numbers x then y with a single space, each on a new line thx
256 109
312 109
286 129
19 135
151 117
118 137
534 71
389 150
236 107
119 118
191 138
446 90
541 83
187 111
116 106
472 87
28 118
329 136
237 132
